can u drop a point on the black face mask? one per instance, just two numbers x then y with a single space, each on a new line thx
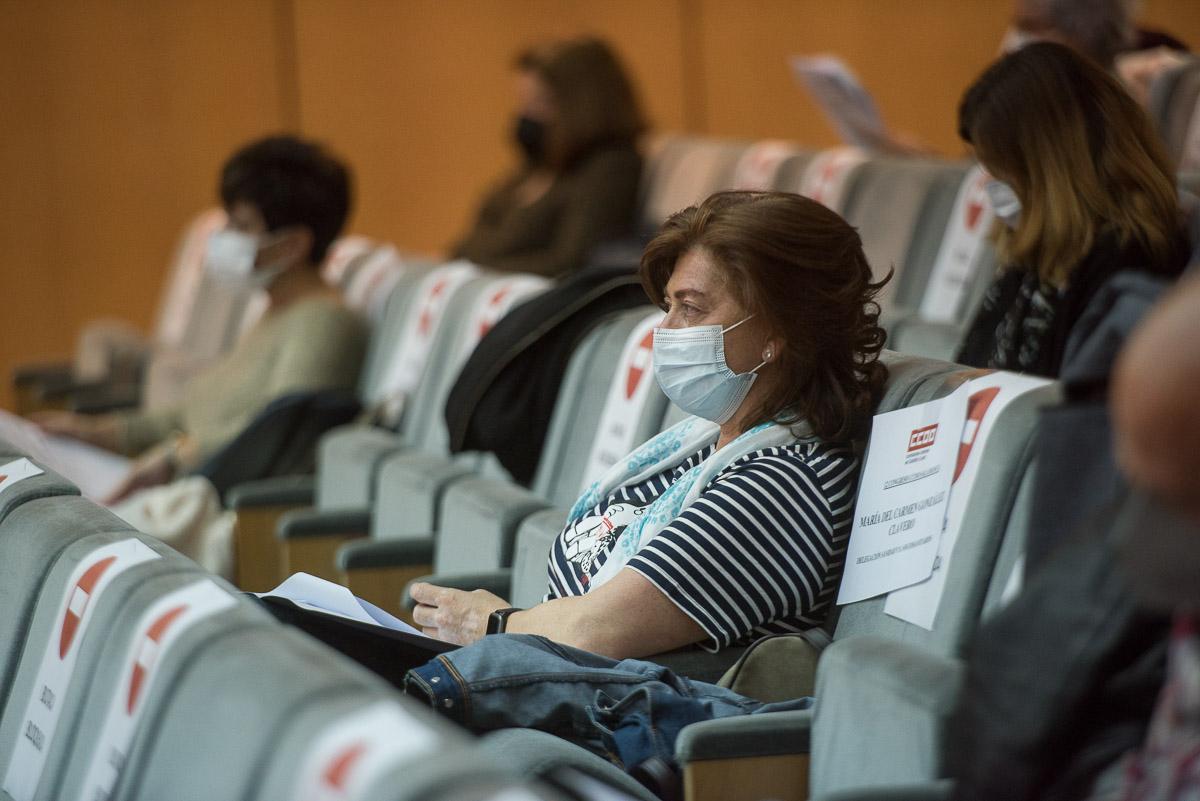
531 138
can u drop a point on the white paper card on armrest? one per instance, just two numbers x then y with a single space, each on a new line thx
17 470
310 592
352 753
986 399
159 628
902 497
81 594
95 471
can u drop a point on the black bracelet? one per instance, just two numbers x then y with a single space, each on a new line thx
498 620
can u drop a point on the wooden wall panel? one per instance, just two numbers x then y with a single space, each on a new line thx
118 113
116 117
915 58
418 94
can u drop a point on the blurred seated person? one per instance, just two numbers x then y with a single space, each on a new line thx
577 185
1102 30
287 200
1082 190
733 523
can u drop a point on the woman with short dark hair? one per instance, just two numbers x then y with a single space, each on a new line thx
734 522
1083 190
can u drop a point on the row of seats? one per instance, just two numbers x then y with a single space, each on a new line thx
126 672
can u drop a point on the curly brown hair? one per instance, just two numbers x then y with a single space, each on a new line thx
800 268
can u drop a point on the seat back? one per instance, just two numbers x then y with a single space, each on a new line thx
829 176
951 285
369 281
605 411
79 607
214 730
886 685
162 629
1175 107
344 256
469 314
182 286
888 203
684 172
759 165
32 538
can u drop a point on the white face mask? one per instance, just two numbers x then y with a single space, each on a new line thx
689 364
230 259
1005 203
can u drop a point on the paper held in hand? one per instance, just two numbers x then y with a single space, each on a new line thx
847 105
317 594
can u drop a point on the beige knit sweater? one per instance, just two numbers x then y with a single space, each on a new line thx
315 343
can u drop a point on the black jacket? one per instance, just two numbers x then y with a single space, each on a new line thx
505 394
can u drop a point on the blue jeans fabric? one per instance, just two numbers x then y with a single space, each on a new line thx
628 709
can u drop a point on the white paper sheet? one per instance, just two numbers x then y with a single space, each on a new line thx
902 498
310 592
847 105
95 471
986 398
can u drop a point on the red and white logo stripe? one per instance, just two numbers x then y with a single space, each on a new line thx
81 596
639 364
147 654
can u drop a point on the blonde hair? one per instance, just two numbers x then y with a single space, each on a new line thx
1081 155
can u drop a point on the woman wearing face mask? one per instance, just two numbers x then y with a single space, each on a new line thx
286 201
1083 191
577 126
733 523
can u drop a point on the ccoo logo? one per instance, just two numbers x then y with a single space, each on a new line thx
81 596
922 438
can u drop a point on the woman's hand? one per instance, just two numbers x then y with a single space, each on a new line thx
98 430
454 615
156 468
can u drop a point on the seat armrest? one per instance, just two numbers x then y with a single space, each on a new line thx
46 373
306 523
107 398
281 491
376 554
497 582
768 734
938 790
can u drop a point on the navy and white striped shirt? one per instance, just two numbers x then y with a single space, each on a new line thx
759 552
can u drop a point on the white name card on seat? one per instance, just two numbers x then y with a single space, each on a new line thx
87 582
902 497
986 399
352 753
962 247
497 299
158 629
17 470
825 178
627 395
758 166
416 338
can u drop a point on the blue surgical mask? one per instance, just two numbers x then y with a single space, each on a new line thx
1005 203
689 364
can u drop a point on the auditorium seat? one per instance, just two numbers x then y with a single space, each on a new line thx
609 403
1175 108
685 170
84 601
951 267
890 202
883 686
308 539
758 168
829 176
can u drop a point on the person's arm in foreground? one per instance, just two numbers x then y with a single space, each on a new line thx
624 618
